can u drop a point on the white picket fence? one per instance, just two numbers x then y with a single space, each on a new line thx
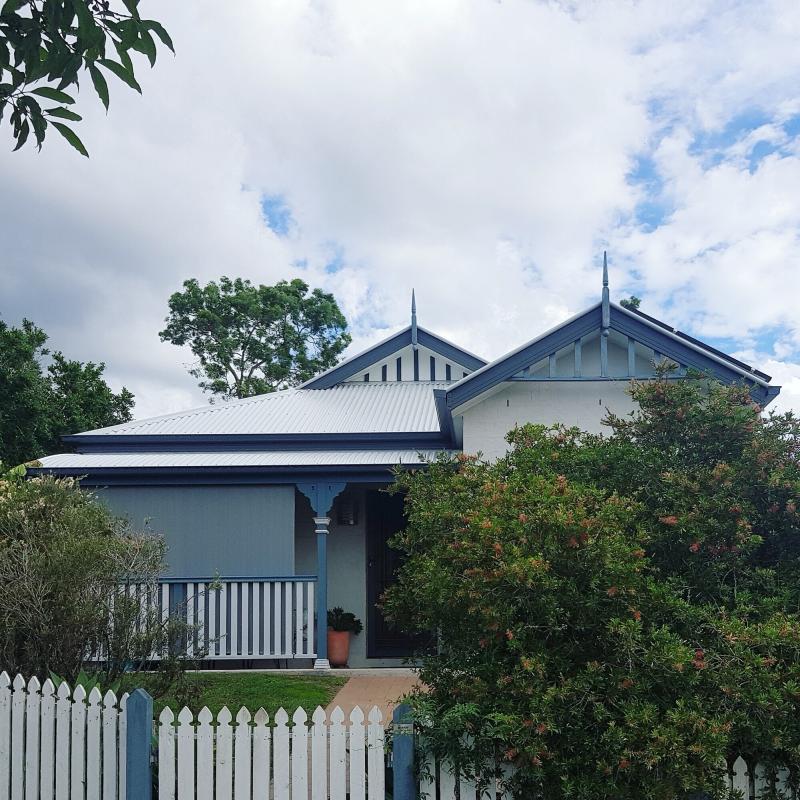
60 745
441 781
329 759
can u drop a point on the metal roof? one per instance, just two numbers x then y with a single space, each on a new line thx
295 458
392 407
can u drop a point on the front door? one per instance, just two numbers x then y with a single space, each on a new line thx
384 519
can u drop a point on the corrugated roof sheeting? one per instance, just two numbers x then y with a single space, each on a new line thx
347 408
302 458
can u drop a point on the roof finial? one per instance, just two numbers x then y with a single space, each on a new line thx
413 319
606 304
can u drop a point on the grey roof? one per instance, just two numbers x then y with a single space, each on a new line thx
347 408
301 458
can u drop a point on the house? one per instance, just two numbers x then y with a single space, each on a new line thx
272 506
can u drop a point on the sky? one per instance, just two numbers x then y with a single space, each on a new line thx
484 153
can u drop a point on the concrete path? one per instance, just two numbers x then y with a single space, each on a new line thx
379 687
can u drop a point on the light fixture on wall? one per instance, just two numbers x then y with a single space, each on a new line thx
347 509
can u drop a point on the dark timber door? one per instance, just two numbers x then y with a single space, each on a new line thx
384 519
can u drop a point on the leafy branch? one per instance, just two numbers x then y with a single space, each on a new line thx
47 46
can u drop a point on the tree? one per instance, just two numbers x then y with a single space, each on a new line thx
633 302
255 339
39 404
49 46
616 615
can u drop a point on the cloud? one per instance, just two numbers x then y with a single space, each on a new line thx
483 153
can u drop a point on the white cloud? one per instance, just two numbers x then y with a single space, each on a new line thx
476 151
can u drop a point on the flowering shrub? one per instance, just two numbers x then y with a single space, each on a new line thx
616 615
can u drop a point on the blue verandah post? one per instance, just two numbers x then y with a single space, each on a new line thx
321 529
404 783
139 732
321 497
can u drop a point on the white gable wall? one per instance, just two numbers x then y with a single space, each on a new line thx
580 403
406 355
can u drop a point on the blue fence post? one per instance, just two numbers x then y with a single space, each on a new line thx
139 724
404 785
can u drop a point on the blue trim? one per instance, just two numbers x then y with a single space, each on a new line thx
138 740
447 350
223 476
321 495
445 415
179 443
361 361
416 364
502 369
388 348
674 349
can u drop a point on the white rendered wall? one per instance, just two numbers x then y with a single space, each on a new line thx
579 403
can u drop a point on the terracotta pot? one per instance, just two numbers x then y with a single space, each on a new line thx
338 647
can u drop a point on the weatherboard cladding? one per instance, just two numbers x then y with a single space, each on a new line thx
353 408
304 458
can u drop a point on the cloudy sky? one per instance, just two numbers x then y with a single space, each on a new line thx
482 152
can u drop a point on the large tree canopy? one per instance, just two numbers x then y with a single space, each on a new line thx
39 404
616 615
49 46
255 339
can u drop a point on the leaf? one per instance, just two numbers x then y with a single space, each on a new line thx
131 5
120 72
159 30
22 134
63 113
71 137
124 56
53 94
100 84
10 6
146 45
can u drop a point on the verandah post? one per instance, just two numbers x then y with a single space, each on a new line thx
321 529
404 784
139 732
321 496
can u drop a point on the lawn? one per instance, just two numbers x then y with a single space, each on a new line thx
253 690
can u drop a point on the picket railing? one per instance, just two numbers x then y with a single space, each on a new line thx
60 745
329 759
237 618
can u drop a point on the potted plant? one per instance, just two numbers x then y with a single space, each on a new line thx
341 624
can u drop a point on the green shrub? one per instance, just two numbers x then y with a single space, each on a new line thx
63 559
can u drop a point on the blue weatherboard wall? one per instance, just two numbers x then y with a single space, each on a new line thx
232 530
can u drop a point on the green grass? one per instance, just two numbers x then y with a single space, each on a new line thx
251 689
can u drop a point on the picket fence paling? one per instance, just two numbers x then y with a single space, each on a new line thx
242 761
60 745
